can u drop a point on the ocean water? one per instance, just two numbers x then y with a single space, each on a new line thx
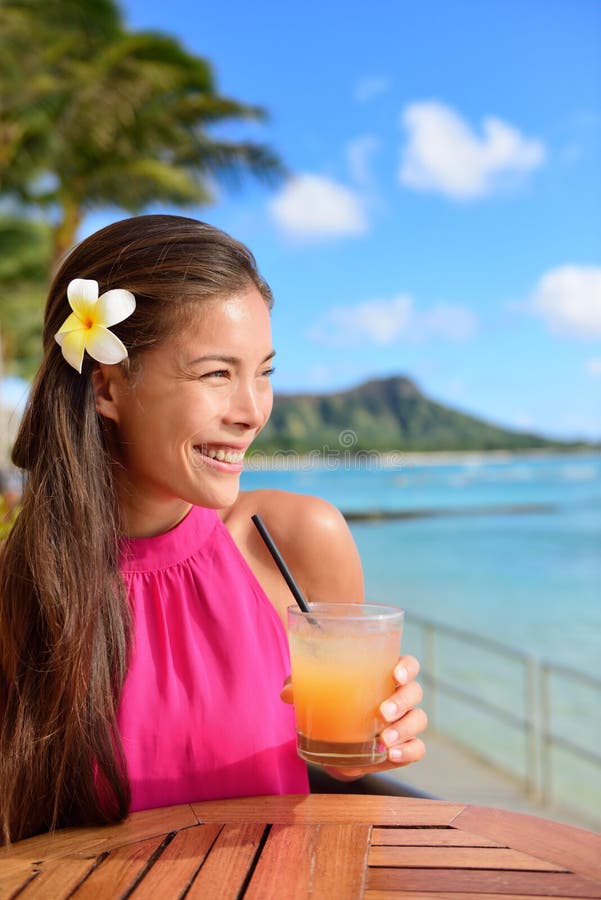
528 574
505 548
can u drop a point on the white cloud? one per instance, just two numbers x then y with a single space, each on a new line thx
359 154
568 299
378 321
312 206
444 154
593 367
385 322
454 323
370 87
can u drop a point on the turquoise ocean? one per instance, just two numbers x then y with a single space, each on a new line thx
504 546
529 578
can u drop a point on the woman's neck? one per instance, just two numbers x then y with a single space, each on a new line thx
141 520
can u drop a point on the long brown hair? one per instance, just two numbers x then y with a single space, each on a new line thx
64 619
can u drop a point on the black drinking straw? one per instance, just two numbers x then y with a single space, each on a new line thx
277 556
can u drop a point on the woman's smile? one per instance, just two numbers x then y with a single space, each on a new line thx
223 458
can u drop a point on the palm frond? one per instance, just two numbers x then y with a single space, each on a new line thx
92 114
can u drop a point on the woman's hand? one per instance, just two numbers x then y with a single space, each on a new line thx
403 723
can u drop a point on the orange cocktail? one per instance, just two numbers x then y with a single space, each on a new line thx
343 656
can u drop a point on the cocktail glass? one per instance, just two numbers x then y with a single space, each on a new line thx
343 656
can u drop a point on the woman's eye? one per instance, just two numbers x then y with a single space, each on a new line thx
268 372
220 373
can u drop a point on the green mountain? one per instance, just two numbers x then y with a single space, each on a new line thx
384 414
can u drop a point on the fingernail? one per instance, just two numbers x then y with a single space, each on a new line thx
389 710
401 674
380 747
395 754
391 737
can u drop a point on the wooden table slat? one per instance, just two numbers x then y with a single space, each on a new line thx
173 871
17 868
340 861
95 840
15 879
428 837
224 871
118 872
316 809
290 849
58 878
546 884
480 894
574 848
301 861
459 858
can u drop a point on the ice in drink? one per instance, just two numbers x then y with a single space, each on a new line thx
343 656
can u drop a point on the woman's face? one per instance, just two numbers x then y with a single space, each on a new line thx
185 421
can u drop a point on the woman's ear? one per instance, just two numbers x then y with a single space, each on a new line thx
108 384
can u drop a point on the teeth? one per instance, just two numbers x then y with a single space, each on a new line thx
229 456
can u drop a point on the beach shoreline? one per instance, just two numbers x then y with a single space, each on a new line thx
258 460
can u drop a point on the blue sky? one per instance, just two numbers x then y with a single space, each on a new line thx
442 216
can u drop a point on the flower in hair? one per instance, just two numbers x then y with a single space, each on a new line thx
87 328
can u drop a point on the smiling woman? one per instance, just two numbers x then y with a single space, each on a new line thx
142 645
206 410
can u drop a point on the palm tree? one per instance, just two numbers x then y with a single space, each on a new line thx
94 115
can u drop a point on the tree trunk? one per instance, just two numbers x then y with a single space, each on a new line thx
65 232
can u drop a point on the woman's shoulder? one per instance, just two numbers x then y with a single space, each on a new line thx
311 534
292 516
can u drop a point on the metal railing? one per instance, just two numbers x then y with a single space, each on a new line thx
533 723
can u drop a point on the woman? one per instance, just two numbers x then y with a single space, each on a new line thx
143 644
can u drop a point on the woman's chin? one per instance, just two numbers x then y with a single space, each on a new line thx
219 496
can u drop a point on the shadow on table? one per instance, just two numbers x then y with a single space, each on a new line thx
322 783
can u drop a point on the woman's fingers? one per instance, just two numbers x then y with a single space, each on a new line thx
403 699
406 729
286 692
412 751
409 752
406 669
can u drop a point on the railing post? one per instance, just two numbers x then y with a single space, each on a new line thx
429 650
546 735
534 742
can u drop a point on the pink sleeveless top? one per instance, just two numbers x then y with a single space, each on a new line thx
200 715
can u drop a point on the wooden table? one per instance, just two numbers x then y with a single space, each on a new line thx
325 846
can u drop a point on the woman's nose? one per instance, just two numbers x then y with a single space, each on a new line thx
249 405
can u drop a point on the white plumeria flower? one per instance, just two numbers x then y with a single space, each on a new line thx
87 328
